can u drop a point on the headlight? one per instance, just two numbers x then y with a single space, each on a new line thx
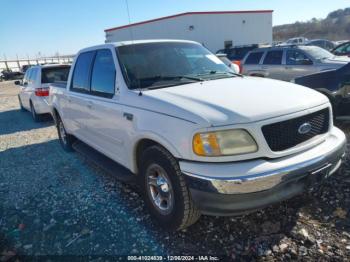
224 143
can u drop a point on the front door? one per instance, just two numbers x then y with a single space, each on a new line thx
298 64
272 65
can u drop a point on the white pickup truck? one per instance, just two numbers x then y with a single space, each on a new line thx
202 139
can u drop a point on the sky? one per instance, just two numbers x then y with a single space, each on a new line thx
30 27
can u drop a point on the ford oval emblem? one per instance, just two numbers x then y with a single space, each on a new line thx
304 128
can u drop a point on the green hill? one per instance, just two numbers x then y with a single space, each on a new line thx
336 26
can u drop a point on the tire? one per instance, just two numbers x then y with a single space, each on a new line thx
35 116
20 103
66 140
162 177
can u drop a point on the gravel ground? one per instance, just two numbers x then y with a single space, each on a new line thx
55 203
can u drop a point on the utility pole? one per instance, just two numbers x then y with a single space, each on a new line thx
18 64
5 59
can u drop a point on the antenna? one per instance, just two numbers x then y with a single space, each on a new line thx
130 30
132 40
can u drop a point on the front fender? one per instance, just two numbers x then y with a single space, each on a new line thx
157 138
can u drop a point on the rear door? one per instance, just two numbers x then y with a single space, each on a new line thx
272 65
23 95
76 108
251 65
106 124
29 86
298 64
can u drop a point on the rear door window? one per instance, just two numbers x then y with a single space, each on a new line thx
81 76
33 75
103 74
273 58
26 76
254 58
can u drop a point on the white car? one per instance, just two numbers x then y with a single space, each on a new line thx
199 138
34 91
297 41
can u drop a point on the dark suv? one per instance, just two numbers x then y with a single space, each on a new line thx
237 53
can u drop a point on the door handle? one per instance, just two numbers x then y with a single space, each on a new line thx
128 116
264 67
89 104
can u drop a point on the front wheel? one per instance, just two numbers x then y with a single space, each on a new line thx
66 140
166 194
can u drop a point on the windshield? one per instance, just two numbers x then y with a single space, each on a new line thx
163 64
317 52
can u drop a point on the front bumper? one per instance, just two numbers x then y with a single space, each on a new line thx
240 187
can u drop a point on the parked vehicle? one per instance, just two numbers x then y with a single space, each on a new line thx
323 43
289 62
237 53
335 84
199 139
24 68
339 42
34 91
7 75
297 41
223 57
342 50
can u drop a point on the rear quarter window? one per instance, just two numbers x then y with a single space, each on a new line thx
254 58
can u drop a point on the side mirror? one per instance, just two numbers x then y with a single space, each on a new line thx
17 82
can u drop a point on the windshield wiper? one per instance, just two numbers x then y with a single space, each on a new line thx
172 77
164 78
169 85
213 72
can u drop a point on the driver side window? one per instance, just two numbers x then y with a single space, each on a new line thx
296 57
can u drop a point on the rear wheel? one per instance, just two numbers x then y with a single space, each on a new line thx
66 140
166 194
35 116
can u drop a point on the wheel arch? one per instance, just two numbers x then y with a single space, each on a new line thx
55 114
143 143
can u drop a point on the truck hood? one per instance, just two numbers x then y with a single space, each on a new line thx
237 100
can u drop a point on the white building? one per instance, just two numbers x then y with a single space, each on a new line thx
212 29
